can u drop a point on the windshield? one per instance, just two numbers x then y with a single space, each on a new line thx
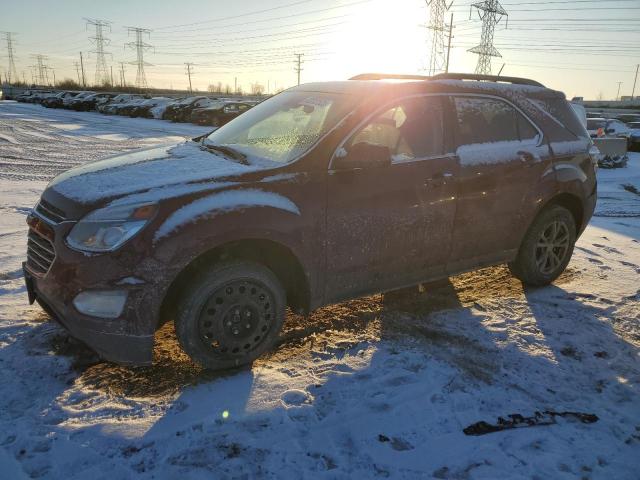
595 124
285 126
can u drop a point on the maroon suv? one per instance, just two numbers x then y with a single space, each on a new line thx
324 192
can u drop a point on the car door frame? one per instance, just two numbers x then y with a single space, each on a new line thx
438 271
498 256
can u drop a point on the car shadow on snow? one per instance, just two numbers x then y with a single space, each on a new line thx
555 348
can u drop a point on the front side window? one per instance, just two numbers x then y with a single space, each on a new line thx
487 120
411 130
285 126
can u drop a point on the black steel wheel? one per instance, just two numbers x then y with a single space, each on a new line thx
547 247
230 315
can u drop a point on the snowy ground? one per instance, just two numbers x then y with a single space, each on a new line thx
377 387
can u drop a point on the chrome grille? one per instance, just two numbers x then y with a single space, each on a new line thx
40 253
49 212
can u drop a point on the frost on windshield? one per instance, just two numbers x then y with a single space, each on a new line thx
283 127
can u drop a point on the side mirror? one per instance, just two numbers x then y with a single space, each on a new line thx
364 155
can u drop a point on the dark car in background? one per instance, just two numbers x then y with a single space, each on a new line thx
180 109
218 112
324 192
111 106
628 117
69 101
634 136
146 107
56 101
89 102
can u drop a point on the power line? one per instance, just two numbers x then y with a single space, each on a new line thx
102 72
140 47
41 77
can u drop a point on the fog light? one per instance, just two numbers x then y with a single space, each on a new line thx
103 304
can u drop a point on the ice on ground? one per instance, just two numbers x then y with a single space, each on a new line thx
377 387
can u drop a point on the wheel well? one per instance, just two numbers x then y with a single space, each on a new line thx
278 258
571 203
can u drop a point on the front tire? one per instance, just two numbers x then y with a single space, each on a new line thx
547 247
230 314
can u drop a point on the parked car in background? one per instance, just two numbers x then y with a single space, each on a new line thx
55 101
322 193
90 102
68 102
628 117
143 109
180 110
596 127
125 108
158 109
634 136
110 107
218 112
22 97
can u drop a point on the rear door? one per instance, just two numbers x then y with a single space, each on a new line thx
502 160
388 226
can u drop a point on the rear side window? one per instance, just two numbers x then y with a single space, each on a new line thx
488 120
560 109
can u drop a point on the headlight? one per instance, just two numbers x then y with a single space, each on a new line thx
106 229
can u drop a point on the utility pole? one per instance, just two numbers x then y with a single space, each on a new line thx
122 79
618 94
112 75
437 8
490 12
11 73
140 47
77 65
53 71
84 80
189 65
102 75
299 62
446 67
633 92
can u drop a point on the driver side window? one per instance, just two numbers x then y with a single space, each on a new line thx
411 130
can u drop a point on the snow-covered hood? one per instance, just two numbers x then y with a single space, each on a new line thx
161 169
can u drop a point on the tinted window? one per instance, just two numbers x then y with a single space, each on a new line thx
485 120
412 129
526 131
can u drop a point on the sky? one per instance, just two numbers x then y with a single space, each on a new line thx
581 47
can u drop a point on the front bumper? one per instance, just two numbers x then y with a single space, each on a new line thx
120 347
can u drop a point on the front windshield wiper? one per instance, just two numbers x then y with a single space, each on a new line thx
228 151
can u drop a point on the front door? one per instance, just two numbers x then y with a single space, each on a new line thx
389 223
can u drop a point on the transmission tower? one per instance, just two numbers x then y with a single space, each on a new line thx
140 47
102 72
12 73
490 12
40 68
438 59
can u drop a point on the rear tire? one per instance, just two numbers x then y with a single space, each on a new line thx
547 247
230 314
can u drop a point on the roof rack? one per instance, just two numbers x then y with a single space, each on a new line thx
385 76
487 78
448 76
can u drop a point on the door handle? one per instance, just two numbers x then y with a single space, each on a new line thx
438 179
